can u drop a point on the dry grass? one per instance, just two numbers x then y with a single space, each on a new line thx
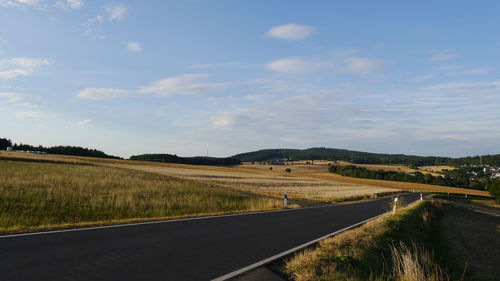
365 253
45 194
436 169
265 182
473 241
415 263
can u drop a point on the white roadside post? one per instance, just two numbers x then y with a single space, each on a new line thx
285 200
395 203
421 197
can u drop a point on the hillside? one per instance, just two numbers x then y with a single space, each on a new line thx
359 157
199 160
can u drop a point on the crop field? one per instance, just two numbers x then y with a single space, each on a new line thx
265 182
408 186
44 195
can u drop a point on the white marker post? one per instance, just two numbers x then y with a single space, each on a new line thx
395 204
465 195
375 195
285 200
421 197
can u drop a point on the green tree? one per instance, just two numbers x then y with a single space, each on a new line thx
494 189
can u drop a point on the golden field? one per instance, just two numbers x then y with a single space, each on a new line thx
47 195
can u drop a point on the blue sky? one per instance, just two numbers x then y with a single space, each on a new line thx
224 77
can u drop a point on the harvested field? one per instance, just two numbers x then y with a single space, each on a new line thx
264 182
418 187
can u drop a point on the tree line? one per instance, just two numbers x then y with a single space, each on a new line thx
359 157
60 149
198 160
463 177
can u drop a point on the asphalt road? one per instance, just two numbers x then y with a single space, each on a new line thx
198 249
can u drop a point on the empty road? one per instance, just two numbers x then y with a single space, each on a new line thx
196 249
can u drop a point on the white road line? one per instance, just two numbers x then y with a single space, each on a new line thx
156 222
166 221
287 252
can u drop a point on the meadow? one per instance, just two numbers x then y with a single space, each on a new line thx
45 195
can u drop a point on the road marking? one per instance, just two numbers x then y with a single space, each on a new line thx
156 222
168 221
287 252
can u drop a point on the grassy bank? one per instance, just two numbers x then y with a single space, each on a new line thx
393 247
471 241
44 195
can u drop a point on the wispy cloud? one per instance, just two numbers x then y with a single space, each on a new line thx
186 84
290 31
69 4
12 97
422 78
115 12
295 66
134 47
364 66
442 56
83 122
111 13
20 3
20 66
100 93
31 115
66 5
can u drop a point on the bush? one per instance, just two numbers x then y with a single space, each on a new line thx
288 170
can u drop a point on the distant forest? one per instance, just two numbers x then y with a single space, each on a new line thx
198 160
465 177
359 157
63 150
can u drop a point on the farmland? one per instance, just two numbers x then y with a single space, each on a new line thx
45 191
47 195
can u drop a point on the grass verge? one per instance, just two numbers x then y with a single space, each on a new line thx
47 195
393 247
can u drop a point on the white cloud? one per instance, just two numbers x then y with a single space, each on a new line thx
223 121
19 3
12 97
13 73
115 12
31 115
84 122
290 31
442 56
189 84
69 4
134 47
20 66
28 104
100 93
112 13
22 62
364 66
294 66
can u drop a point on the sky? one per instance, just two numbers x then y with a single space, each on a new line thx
223 77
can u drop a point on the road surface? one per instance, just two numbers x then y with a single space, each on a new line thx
196 249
